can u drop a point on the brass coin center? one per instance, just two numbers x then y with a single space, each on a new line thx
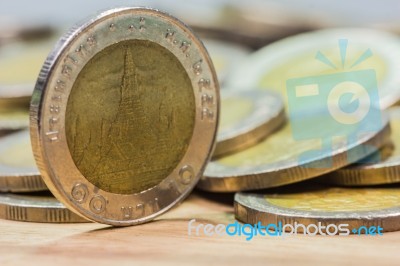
130 116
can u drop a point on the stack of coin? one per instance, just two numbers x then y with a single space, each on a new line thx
315 73
125 111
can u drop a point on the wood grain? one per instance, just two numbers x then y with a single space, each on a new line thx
166 241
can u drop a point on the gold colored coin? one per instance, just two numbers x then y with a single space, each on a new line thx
381 168
277 160
295 57
124 116
18 171
136 139
12 120
246 118
313 204
225 56
39 209
20 64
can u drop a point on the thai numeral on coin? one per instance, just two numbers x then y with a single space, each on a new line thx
207 100
80 193
98 204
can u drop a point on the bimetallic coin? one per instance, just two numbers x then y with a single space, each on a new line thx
225 56
12 120
323 53
18 171
246 118
282 159
382 168
20 64
124 116
355 207
40 209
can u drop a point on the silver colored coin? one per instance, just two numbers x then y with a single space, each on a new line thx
18 171
41 209
246 118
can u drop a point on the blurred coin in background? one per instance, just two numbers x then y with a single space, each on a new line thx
318 54
246 118
18 171
225 56
313 204
381 168
13 119
276 161
39 209
20 63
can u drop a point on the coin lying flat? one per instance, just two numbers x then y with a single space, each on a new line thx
20 64
327 205
12 120
18 171
318 54
246 118
278 160
372 172
124 116
225 56
41 209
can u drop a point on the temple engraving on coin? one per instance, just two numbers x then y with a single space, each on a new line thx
128 122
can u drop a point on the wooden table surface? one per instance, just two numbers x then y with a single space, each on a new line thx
166 241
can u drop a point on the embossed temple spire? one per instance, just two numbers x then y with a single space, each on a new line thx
129 78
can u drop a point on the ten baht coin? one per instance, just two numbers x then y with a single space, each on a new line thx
324 53
40 209
18 171
124 116
283 159
246 118
358 208
382 167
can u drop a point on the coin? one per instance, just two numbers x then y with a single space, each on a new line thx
326 205
12 120
293 57
277 160
18 171
20 64
40 209
225 56
124 116
384 171
246 118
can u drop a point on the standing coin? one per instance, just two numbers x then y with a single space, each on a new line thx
277 161
124 116
385 171
18 171
246 118
309 206
318 54
38 209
